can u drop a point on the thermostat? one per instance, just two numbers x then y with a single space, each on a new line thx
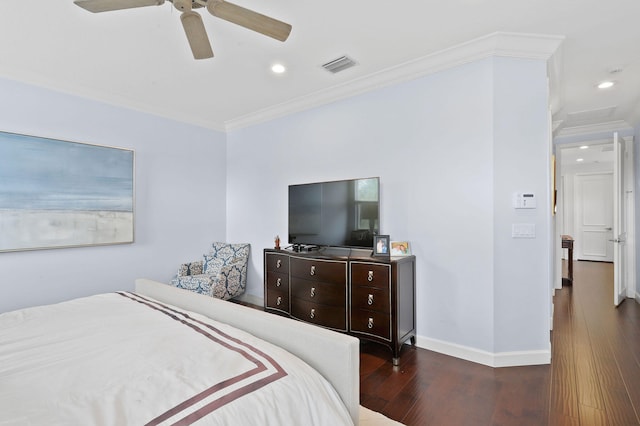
524 200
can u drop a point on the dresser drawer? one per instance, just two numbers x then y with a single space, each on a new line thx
317 292
370 274
277 281
276 299
371 298
277 263
329 271
327 316
371 323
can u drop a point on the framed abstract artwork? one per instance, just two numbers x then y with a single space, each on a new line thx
56 193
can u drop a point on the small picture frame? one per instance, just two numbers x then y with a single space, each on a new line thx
381 246
400 248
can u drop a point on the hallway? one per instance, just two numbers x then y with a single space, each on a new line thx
595 368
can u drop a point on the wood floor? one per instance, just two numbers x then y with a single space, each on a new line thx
593 379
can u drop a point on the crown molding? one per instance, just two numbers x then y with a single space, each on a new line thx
610 126
498 44
83 92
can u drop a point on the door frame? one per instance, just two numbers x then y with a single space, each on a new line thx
630 267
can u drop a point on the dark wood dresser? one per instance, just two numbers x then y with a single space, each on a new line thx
368 297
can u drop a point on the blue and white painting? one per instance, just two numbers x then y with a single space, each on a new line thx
63 194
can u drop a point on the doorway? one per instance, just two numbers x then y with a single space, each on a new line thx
586 205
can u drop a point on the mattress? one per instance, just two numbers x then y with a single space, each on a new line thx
126 359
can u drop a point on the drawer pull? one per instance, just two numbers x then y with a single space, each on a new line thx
313 270
278 263
279 282
370 299
312 315
370 324
313 291
279 301
370 276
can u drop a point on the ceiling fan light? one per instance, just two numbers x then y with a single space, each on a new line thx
196 35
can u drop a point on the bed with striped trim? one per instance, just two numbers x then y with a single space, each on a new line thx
127 358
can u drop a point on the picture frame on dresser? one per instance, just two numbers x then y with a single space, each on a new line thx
381 246
400 248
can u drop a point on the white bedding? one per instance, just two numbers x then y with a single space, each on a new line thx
125 359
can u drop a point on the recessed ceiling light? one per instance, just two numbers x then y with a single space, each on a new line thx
605 84
278 68
579 160
584 147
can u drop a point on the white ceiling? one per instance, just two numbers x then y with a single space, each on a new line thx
139 58
588 155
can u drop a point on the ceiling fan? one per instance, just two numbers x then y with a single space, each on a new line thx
192 21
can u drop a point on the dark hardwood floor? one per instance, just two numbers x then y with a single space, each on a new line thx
593 379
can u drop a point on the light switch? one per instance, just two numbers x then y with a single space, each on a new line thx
523 230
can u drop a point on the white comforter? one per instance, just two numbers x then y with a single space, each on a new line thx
124 359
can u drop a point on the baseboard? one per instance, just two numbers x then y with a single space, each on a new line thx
502 359
251 299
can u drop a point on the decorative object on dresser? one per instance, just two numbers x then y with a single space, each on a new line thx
381 245
400 248
346 290
222 273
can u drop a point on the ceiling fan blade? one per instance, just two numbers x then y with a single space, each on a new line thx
196 35
249 19
96 6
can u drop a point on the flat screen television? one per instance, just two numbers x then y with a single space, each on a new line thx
344 213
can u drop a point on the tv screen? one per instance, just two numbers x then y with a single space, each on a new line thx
341 213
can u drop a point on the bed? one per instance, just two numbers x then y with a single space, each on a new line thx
162 355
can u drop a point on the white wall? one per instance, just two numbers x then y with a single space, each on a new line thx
522 162
180 197
450 149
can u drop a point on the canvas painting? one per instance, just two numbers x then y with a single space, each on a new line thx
57 194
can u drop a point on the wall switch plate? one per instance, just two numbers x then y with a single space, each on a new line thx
523 230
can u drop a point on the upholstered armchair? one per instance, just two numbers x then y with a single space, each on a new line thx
222 273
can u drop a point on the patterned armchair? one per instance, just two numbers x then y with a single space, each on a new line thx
222 273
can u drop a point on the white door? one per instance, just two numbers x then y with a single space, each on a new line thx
594 217
619 222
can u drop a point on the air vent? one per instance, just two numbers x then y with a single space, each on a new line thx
339 64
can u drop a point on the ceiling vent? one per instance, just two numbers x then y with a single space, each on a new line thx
339 64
